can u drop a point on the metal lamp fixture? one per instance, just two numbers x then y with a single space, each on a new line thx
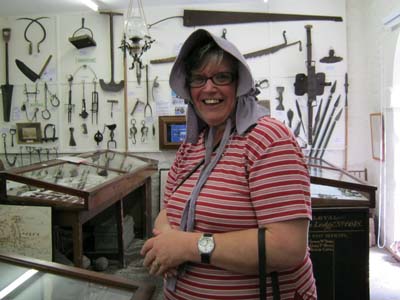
137 38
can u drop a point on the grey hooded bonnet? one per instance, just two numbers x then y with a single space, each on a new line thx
247 109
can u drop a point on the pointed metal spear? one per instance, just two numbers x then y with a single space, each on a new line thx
346 121
317 116
327 126
300 117
330 132
328 102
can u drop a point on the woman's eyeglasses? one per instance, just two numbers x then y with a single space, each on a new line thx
222 78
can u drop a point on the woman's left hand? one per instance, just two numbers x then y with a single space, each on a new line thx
168 249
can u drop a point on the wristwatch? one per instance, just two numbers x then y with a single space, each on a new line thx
206 246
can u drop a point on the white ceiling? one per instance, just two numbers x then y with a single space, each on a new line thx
43 7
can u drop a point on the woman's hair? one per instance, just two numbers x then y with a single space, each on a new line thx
201 56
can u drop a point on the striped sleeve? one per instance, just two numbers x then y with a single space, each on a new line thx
279 181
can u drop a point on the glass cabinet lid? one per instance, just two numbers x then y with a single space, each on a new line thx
332 193
77 176
115 160
18 282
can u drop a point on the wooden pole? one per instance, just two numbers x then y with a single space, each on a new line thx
125 96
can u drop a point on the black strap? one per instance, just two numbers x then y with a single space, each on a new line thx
261 263
263 272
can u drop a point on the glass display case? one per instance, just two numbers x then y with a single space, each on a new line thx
27 278
80 187
333 187
339 231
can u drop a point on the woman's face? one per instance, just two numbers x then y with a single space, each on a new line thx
214 103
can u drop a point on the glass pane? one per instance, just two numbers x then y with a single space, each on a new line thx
330 192
117 161
54 287
9 273
330 174
77 176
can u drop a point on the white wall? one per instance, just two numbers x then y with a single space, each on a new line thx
279 68
371 62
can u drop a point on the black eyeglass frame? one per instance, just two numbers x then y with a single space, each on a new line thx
189 80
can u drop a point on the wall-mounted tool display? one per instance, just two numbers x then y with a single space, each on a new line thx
34 21
133 131
12 162
46 114
313 84
253 54
290 115
28 72
34 115
84 114
72 142
262 84
54 101
112 86
6 89
322 119
300 117
331 58
144 130
327 139
112 102
273 49
323 137
83 39
98 137
280 90
317 117
209 17
84 128
111 143
70 106
95 103
49 133
346 120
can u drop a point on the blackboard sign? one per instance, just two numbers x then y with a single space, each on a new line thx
339 244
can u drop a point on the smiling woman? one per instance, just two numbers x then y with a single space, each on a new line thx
225 183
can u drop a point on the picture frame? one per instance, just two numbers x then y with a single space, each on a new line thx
377 136
172 131
29 133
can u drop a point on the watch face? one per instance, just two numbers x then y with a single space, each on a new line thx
206 244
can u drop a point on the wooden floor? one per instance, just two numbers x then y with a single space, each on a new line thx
384 275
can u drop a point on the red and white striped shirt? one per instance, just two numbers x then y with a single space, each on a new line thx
261 178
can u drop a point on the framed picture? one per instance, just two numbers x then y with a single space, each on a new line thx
172 130
377 136
29 133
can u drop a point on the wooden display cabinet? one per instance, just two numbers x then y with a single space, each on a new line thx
81 187
339 232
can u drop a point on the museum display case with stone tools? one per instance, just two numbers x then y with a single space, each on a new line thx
80 188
